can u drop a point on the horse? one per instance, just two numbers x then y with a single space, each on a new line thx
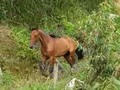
54 47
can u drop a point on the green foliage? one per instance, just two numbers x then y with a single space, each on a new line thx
69 28
45 13
101 37
6 79
39 86
109 84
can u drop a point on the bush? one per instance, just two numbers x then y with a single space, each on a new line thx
101 37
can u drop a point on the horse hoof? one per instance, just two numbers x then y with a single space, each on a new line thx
72 70
74 67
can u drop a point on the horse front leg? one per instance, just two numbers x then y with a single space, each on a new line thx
54 64
51 64
43 64
52 60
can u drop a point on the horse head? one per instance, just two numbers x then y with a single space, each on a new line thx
34 37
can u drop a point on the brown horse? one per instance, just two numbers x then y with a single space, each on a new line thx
54 47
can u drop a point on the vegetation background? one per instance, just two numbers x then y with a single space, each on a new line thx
94 23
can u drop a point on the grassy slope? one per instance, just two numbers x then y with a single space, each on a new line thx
21 74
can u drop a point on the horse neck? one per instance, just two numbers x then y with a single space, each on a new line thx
44 38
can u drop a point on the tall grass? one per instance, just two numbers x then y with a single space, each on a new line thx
45 13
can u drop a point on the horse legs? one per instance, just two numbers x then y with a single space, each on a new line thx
68 59
73 56
46 65
75 61
71 59
52 61
43 64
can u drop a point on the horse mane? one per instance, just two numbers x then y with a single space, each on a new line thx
53 36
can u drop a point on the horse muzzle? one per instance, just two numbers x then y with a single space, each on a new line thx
31 47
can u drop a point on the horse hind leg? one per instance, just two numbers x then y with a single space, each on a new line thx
71 58
68 59
74 59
